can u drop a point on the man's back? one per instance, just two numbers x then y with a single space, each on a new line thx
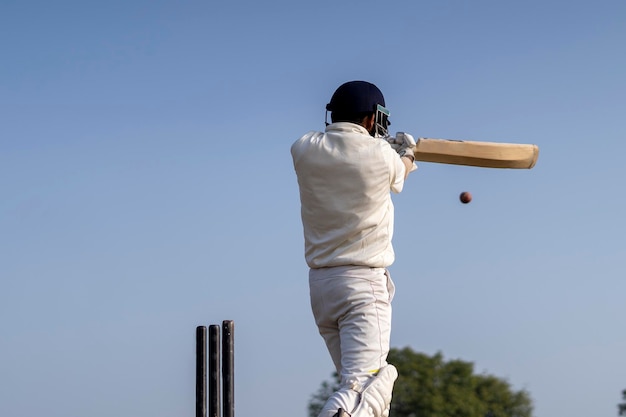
345 178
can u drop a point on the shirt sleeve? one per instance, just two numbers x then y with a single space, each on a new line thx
396 169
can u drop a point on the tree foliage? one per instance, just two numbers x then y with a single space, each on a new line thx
429 386
621 408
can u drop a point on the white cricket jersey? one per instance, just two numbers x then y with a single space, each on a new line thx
345 178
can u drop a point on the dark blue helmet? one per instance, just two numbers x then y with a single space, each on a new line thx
360 97
356 97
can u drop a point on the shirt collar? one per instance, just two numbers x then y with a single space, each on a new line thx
346 127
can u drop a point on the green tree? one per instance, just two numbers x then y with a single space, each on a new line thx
622 406
428 386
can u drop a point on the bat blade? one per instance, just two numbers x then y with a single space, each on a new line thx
478 154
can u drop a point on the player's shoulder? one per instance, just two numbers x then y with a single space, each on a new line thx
311 135
305 140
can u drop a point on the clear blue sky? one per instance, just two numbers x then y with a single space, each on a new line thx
146 187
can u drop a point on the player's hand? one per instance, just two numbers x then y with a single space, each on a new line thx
401 139
392 142
406 144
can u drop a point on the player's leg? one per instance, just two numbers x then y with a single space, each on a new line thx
326 286
365 338
321 283
365 327
356 302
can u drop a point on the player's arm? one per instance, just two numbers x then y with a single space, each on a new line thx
408 165
404 144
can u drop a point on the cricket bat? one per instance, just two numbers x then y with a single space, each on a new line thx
478 154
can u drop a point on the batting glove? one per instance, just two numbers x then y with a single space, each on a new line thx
392 142
407 145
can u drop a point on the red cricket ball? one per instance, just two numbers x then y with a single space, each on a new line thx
465 197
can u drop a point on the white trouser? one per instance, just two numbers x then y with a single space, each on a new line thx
352 309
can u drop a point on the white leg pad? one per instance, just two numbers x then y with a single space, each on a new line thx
375 398
345 398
